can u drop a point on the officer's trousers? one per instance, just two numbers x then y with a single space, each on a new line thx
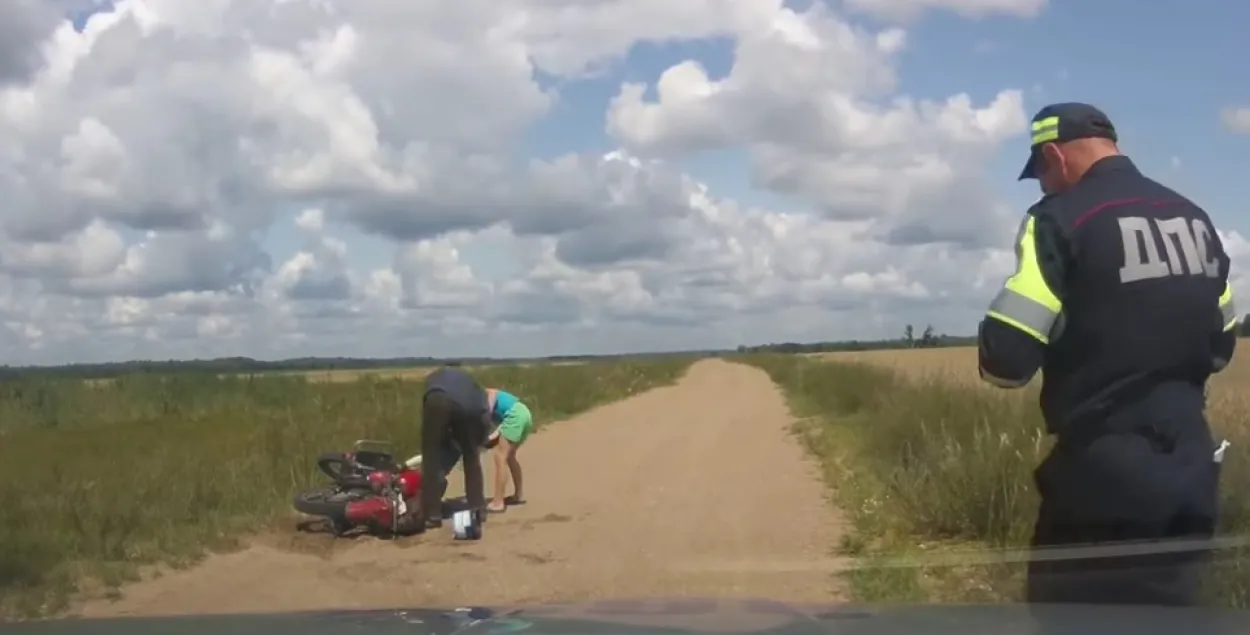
1145 475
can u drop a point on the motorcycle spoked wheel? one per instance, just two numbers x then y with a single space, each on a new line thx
329 502
347 473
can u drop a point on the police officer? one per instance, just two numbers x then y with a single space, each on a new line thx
1121 298
453 422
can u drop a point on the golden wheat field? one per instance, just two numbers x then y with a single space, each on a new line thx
1229 396
925 457
960 364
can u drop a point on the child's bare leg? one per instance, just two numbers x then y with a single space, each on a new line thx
514 466
501 452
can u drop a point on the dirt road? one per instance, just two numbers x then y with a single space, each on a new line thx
689 490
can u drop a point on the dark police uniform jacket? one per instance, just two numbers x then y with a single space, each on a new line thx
1121 285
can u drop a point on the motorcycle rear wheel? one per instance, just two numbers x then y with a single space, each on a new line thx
328 502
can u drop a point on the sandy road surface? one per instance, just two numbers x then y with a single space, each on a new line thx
689 490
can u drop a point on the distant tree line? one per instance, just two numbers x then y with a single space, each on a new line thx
247 365
927 339
219 365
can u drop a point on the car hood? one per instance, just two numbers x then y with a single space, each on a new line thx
673 617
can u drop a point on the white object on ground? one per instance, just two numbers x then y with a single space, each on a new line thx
1218 457
465 526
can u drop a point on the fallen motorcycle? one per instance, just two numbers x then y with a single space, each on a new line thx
368 489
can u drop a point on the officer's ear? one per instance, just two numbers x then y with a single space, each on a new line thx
1054 169
1052 158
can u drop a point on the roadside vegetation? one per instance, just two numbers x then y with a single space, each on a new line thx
935 470
100 477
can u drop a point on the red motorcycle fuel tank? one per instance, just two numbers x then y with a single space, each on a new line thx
379 479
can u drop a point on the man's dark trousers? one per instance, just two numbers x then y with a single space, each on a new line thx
443 420
1143 472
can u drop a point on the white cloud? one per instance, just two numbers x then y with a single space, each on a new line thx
153 159
804 98
1236 120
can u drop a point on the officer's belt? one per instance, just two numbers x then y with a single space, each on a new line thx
1090 421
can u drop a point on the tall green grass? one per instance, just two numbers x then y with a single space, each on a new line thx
930 470
96 478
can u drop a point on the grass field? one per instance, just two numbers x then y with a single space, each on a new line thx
98 478
928 463
352 374
398 373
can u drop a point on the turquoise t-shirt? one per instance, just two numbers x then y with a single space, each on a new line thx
503 403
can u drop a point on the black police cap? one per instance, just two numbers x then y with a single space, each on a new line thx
1060 123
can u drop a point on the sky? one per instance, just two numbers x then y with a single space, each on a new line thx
382 178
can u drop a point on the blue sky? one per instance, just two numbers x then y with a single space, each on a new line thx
1162 69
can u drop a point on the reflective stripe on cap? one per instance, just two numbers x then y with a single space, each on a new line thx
1045 130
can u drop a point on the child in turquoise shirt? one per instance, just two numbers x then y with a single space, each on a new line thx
513 424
